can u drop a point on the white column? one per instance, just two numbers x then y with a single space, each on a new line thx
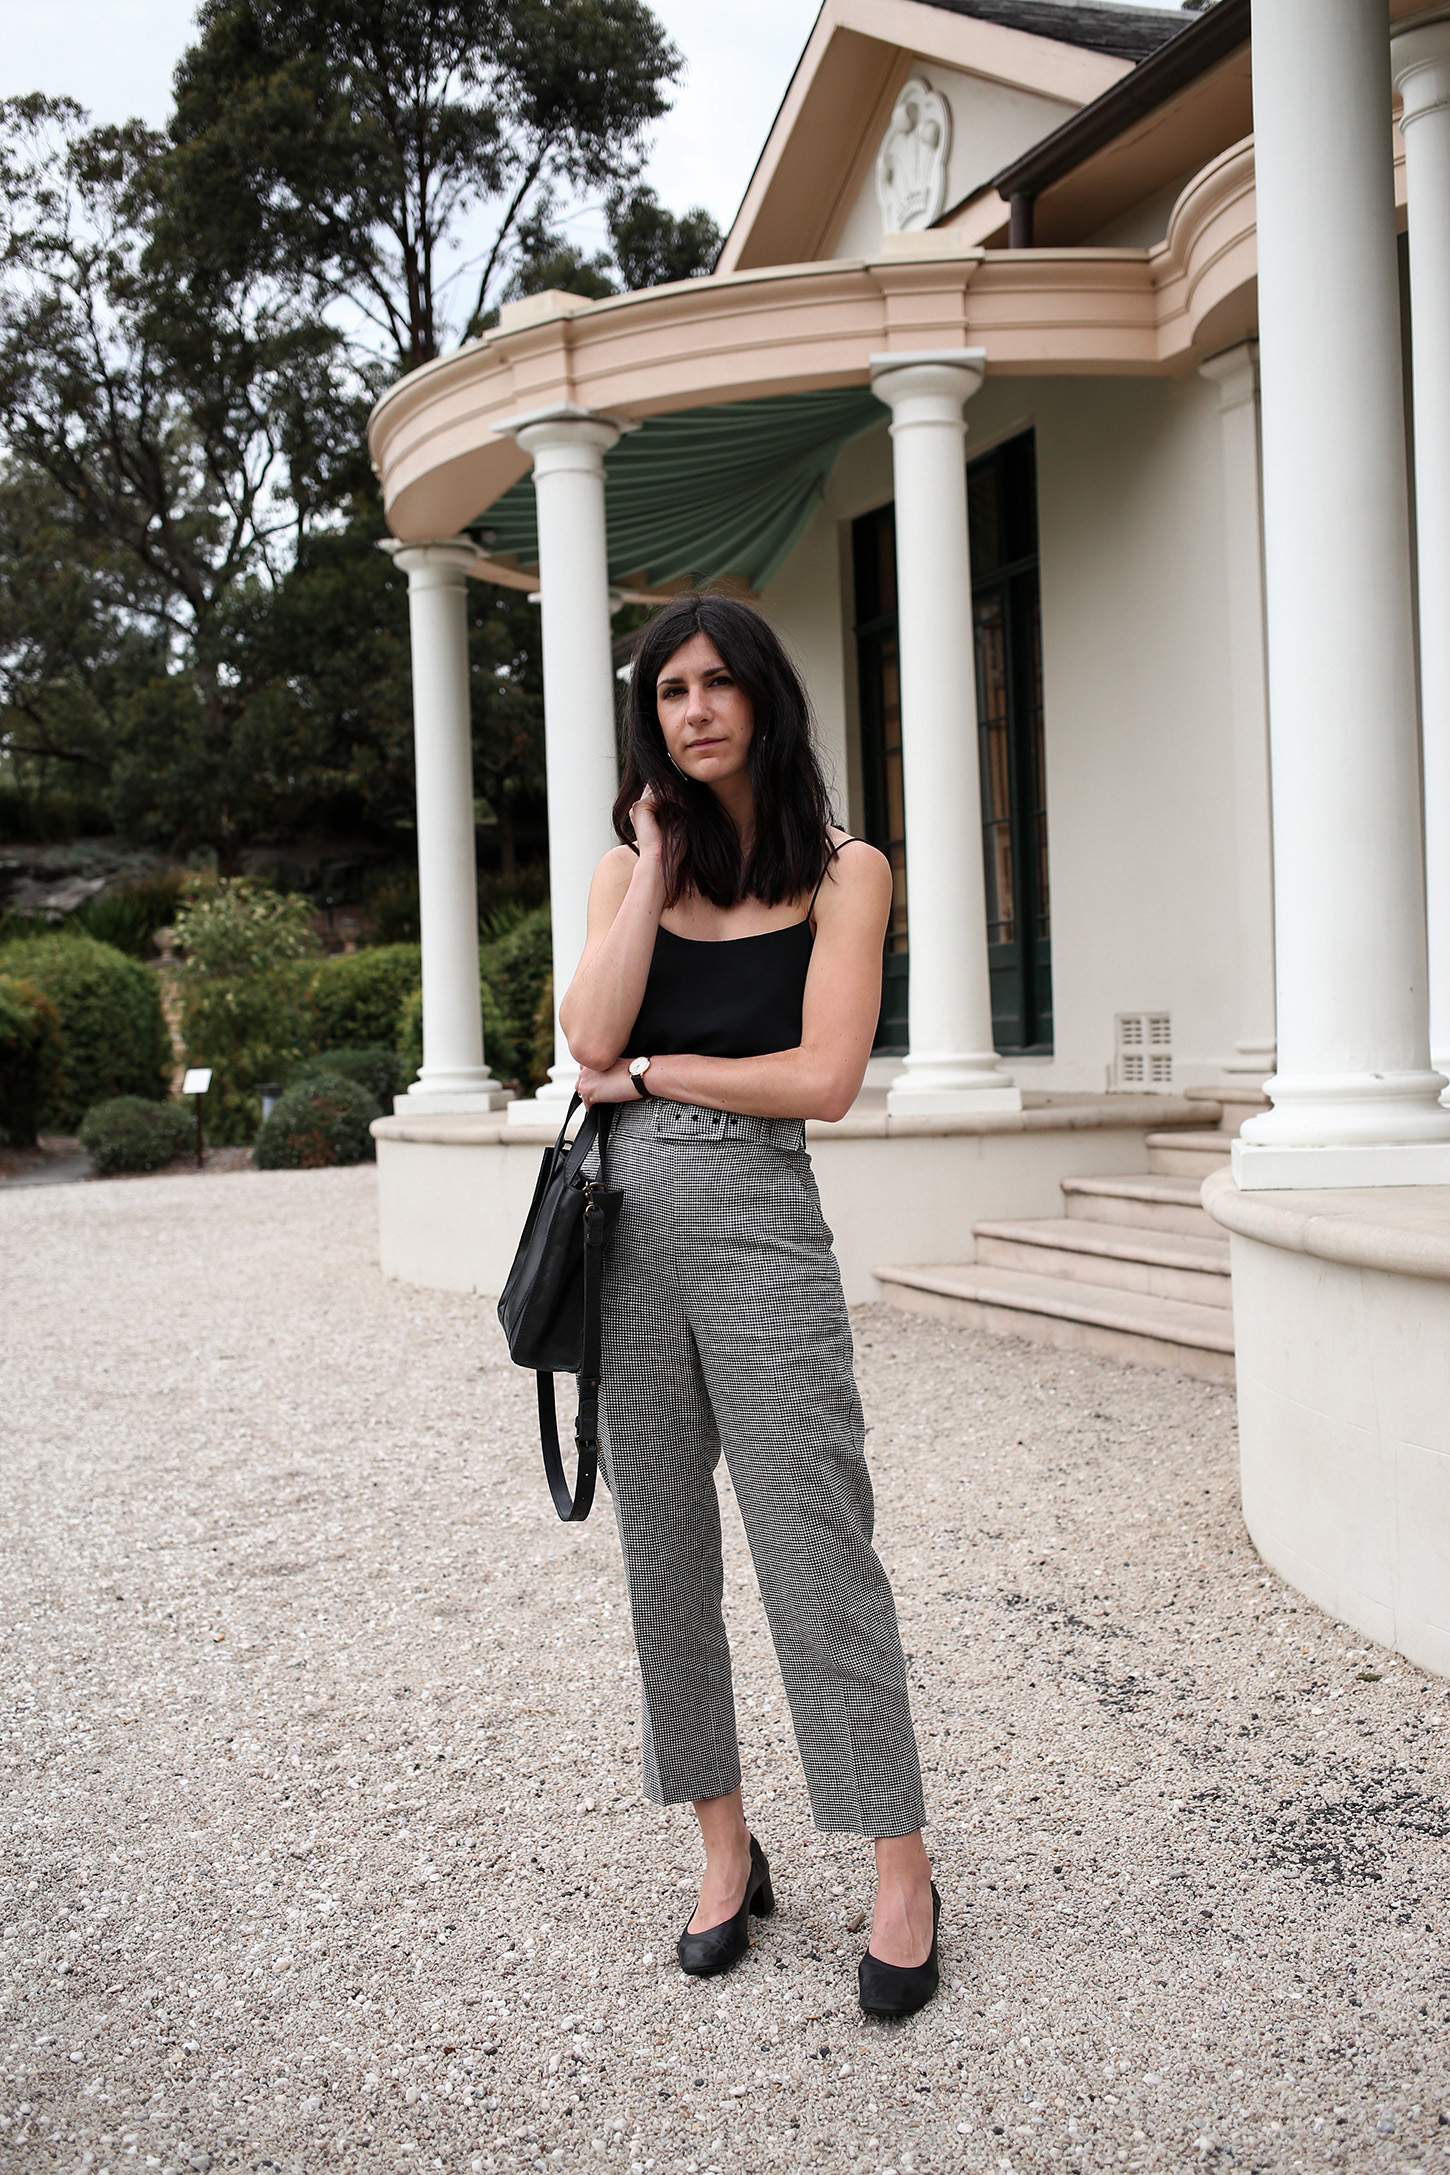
1355 1101
568 447
454 1075
1236 375
1420 59
951 1064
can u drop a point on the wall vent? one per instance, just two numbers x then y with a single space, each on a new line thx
1143 1050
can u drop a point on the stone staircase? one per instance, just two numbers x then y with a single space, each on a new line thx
1133 1268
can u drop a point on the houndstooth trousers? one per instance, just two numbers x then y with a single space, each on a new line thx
725 1322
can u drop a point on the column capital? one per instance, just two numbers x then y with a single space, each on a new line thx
1420 65
433 562
1236 374
565 436
931 375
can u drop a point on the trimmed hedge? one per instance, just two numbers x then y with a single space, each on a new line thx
516 968
379 1071
114 1038
357 997
499 1048
30 1051
272 1025
130 1134
318 1122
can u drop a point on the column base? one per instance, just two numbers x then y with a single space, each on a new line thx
421 1102
1347 1111
939 1086
552 1100
538 1110
908 1099
1261 1166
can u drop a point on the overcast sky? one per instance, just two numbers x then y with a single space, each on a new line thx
115 57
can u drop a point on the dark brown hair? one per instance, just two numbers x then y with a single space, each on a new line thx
791 845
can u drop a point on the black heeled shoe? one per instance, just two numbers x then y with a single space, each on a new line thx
705 1955
901 1989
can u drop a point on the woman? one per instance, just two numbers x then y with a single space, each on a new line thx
729 989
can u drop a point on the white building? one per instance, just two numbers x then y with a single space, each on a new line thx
973 405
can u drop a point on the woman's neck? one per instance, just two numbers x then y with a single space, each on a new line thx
738 801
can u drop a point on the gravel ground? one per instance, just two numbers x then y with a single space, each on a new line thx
322 1838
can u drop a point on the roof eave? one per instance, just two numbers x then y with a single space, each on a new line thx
1206 41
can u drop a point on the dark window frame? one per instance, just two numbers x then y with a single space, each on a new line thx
1021 963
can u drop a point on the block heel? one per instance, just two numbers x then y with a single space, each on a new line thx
719 1948
897 1989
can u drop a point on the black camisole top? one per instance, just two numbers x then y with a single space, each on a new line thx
729 996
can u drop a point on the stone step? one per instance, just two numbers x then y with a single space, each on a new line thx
1234 1103
1123 1325
1118 1257
1148 1202
1188 1154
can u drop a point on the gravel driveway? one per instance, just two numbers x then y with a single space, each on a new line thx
320 1828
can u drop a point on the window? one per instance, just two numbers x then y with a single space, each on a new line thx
1006 611
874 542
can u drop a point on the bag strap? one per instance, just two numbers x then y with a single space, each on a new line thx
575 1509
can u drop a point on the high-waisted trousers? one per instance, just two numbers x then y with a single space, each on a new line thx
725 1324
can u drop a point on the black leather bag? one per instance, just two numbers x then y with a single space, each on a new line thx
552 1304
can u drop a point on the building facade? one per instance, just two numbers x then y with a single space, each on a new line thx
1050 397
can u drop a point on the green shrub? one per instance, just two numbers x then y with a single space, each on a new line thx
239 926
356 998
129 1134
130 917
541 1038
248 1028
30 1048
379 1071
49 817
499 1049
516 967
114 1038
317 1122
245 1007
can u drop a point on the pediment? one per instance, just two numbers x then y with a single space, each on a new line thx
814 193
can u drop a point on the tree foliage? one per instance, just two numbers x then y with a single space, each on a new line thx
195 623
342 144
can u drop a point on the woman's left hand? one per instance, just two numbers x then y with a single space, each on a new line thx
614 1086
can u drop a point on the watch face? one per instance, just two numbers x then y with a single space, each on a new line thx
639 1065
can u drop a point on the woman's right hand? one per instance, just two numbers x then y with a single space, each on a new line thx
646 824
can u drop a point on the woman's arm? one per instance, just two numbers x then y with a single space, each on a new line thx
823 1077
626 900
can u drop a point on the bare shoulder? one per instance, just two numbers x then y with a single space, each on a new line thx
858 871
857 889
610 883
613 874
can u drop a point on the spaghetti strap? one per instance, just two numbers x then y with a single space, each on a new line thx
848 840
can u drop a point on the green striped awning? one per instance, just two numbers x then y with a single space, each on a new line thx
709 491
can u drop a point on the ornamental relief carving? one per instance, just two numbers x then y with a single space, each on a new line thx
911 166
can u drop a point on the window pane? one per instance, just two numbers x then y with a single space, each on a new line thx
1030 607
992 725
895 810
984 516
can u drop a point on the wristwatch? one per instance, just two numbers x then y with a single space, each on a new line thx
638 1067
